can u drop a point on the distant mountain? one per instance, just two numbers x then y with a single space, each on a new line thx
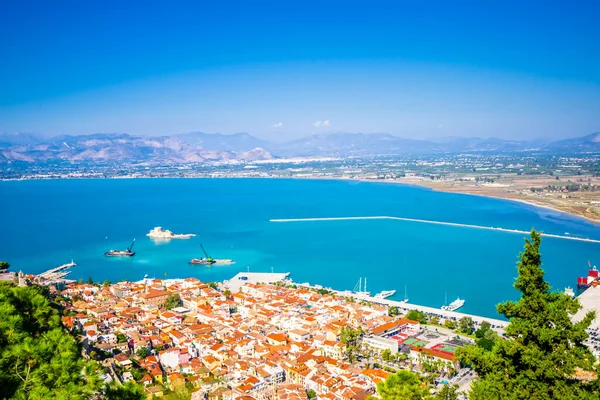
8 139
457 144
586 143
352 144
120 148
239 142
203 147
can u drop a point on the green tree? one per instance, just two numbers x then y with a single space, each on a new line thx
403 385
543 348
448 392
418 316
172 301
127 391
213 285
106 283
227 293
121 338
386 354
142 352
311 394
37 358
393 311
4 265
90 280
450 324
485 326
465 325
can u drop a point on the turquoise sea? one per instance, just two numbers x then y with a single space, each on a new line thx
46 223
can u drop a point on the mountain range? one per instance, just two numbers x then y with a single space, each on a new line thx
203 147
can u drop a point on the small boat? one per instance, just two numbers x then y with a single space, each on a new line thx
121 253
207 260
405 296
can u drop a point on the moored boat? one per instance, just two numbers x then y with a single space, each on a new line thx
121 253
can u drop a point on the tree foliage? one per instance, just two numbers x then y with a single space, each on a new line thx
543 348
393 311
403 385
37 358
4 265
418 316
465 325
172 301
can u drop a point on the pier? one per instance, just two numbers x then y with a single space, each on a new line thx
54 275
425 221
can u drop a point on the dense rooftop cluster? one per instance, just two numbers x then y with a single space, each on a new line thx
263 342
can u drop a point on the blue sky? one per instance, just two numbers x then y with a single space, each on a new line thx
285 69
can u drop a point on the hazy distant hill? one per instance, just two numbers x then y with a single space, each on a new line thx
203 147
352 144
16 138
239 142
120 148
586 143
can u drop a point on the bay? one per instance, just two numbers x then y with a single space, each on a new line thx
46 223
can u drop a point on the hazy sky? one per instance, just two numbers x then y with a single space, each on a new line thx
284 69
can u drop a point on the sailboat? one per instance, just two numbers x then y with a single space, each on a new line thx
358 288
405 296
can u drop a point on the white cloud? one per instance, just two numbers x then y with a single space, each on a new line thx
322 123
278 125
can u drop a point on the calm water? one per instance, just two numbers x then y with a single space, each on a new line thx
46 223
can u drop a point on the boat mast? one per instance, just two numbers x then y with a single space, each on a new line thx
131 246
365 284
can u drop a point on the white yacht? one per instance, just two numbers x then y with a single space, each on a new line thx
455 305
160 233
385 294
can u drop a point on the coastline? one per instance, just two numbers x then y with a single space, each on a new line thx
488 195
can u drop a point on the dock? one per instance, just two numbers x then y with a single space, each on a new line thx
254 277
425 221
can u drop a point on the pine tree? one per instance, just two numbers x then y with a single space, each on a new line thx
543 350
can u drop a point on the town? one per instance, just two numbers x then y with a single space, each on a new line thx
258 341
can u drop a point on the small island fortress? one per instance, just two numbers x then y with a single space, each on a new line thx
160 233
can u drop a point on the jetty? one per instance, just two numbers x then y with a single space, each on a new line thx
425 221
54 275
